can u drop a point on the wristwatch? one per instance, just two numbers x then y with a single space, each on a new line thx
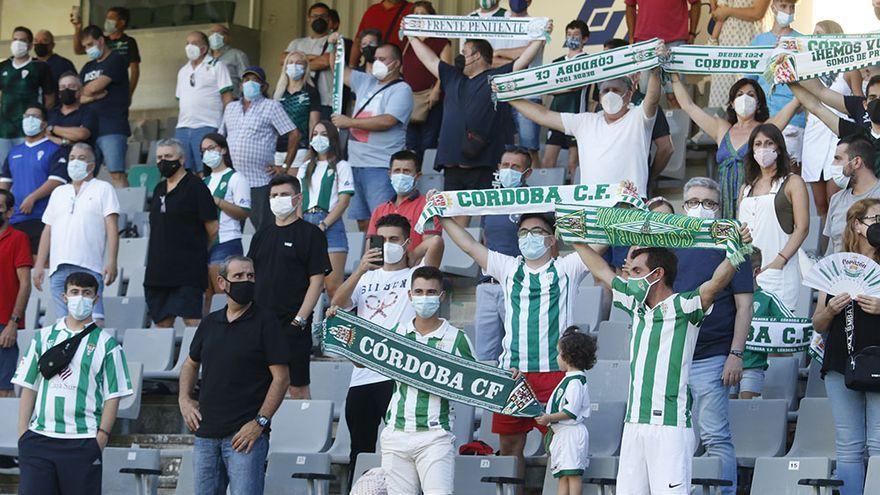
261 420
737 353
299 321
15 319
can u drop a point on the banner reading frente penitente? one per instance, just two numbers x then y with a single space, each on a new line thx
475 27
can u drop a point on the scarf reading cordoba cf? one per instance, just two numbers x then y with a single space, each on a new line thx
631 227
426 368
338 73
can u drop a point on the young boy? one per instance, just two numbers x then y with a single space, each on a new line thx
567 409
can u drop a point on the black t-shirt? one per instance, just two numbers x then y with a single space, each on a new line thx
468 106
235 359
865 334
127 47
81 117
847 128
178 248
284 259
111 110
855 107
58 65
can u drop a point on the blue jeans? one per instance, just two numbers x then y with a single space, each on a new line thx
113 147
489 321
529 132
337 241
857 420
56 285
217 465
6 145
424 135
191 138
712 407
372 187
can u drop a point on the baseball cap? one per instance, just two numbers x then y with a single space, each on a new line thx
257 71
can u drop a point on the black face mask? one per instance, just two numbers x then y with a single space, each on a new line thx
241 292
874 111
369 52
67 96
320 25
168 167
460 62
41 49
873 235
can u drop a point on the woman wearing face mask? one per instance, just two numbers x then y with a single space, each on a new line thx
232 195
300 101
746 110
370 40
327 190
774 203
853 410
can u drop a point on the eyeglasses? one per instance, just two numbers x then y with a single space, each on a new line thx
535 231
707 204
192 80
870 220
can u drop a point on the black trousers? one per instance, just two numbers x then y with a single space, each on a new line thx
365 407
58 466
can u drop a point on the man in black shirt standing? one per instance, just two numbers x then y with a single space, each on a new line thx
183 224
70 122
290 257
44 49
243 356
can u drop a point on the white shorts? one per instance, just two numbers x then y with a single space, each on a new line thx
655 459
794 141
568 450
421 460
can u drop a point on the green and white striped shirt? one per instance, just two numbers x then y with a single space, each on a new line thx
323 187
537 308
69 405
572 397
661 350
412 409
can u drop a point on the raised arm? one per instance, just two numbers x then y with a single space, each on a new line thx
599 268
372 260
825 94
466 242
713 126
528 55
539 114
427 56
430 251
783 116
652 95
722 276
815 107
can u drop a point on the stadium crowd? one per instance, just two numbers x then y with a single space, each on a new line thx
247 153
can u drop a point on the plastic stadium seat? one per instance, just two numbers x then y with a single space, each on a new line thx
706 474
456 261
428 160
815 433
130 470
283 466
814 235
780 380
174 373
815 383
462 423
133 254
9 433
132 153
804 304
146 176
246 242
135 286
302 426
218 301
600 468
605 425
872 478
186 475
547 177
780 475
609 381
613 340
125 312
130 405
759 428
330 381
132 199
618 314
355 251
24 339
364 463
429 182
32 311
470 471
590 304
154 347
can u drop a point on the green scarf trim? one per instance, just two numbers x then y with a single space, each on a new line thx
774 335
338 77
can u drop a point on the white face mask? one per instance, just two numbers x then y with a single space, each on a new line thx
784 19
611 102
215 41
766 157
380 70
18 48
745 105
77 170
700 212
281 206
837 175
392 253
79 307
193 52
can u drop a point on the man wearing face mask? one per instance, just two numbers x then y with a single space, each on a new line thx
378 290
539 290
32 170
204 88
235 60
377 127
316 47
657 446
718 355
81 233
15 289
106 94
243 356
22 82
252 127
854 174
290 256
65 422
183 225
114 26
44 49
70 122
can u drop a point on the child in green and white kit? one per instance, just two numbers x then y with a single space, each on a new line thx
568 407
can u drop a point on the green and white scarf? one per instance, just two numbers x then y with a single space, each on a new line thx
338 77
632 227
576 72
704 59
475 27
428 369
520 200
831 56
773 335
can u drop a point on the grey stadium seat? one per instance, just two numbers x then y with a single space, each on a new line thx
591 304
603 468
186 476
605 425
780 380
546 177
154 347
218 301
130 405
815 383
470 471
302 426
456 261
24 339
135 286
428 160
462 423
282 467
759 428
364 463
174 372
133 253
355 251
613 340
534 440
609 381
132 199
330 381
130 471
815 433
125 312
780 475
9 433
429 182
872 478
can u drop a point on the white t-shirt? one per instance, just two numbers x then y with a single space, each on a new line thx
610 153
199 90
316 46
79 235
381 296
238 192
326 185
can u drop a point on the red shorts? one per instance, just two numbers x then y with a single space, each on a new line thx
542 384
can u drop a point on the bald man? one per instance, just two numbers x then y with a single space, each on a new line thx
44 49
234 59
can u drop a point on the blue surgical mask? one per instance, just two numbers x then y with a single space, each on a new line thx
320 143
573 43
93 52
402 183
77 170
31 125
251 90
532 246
426 306
79 307
212 158
510 177
639 287
295 71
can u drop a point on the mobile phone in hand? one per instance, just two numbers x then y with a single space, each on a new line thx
378 242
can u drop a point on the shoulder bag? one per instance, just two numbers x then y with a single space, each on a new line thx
863 368
59 356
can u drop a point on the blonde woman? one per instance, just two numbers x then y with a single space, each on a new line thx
300 101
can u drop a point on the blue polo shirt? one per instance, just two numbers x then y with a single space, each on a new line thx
28 166
696 266
782 94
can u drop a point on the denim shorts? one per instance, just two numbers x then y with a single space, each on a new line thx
219 252
191 138
372 187
113 148
337 242
8 362
752 381
529 132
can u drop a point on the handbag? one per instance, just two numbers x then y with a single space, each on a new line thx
59 356
420 106
863 368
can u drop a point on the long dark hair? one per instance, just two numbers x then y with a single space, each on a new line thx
783 162
762 112
333 153
220 141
